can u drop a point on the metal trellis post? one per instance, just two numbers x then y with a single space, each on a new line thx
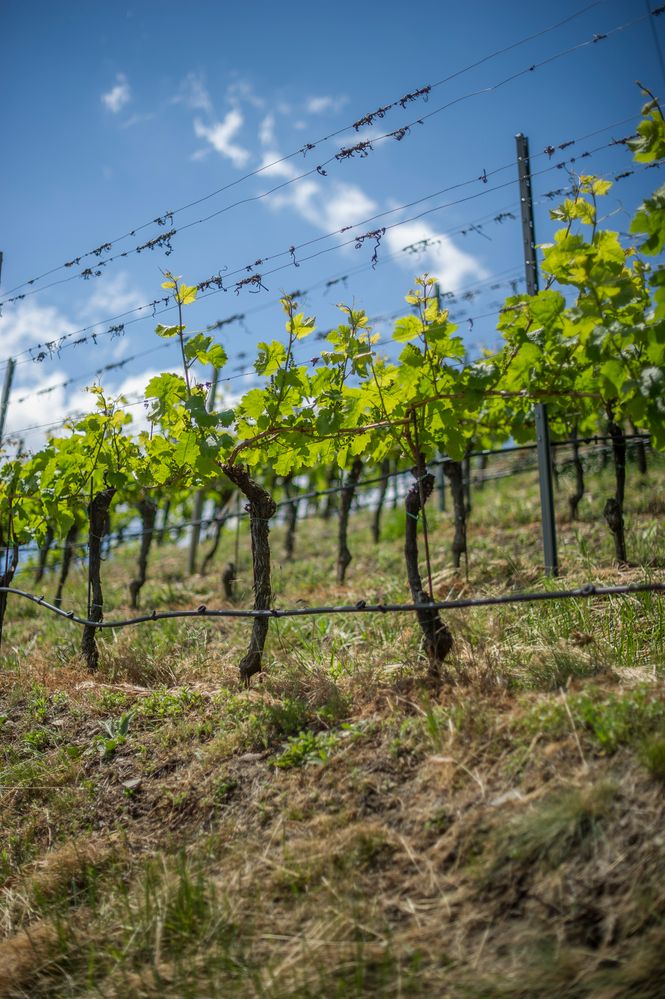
199 498
6 389
9 377
542 426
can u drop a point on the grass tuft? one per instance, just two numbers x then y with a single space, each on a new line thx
653 756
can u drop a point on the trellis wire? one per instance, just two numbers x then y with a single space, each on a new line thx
422 91
53 348
254 280
467 293
239 514
117 540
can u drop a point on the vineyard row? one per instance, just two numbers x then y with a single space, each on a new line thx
590 346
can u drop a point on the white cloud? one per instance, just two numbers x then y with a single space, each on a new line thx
331 205
27 323
135 385
327 207
193 93
118 96
325 105
40 395
267 130
302 198
241 91
36 378
271 168
346 205
42 400
33 405
220 134
200 154
451 266
137 119
113 294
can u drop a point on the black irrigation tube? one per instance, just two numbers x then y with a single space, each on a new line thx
361 607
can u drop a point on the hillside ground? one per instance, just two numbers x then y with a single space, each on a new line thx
341 828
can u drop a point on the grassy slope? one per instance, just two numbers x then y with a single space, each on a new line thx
340 829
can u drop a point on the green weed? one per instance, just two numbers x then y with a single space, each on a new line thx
315 747
169 704
307 747
37 739
115 734
609 720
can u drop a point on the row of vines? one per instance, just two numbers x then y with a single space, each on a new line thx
591 345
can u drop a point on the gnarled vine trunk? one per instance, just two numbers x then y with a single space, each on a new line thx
161 531
219 521
345 499
555 469
106 536
437 638
455 475
67 556
330 501
467 483
640 451
261 508
482 468
291 520
43 555
395 485
220 517
228 581
575 498
148 511
97 513
613 511
9 565
378 509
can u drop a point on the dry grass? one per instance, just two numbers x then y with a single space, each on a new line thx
501 837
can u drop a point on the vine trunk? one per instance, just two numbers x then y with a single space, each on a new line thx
97 513
261 507
437 638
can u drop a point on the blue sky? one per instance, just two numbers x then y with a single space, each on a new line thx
116 114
